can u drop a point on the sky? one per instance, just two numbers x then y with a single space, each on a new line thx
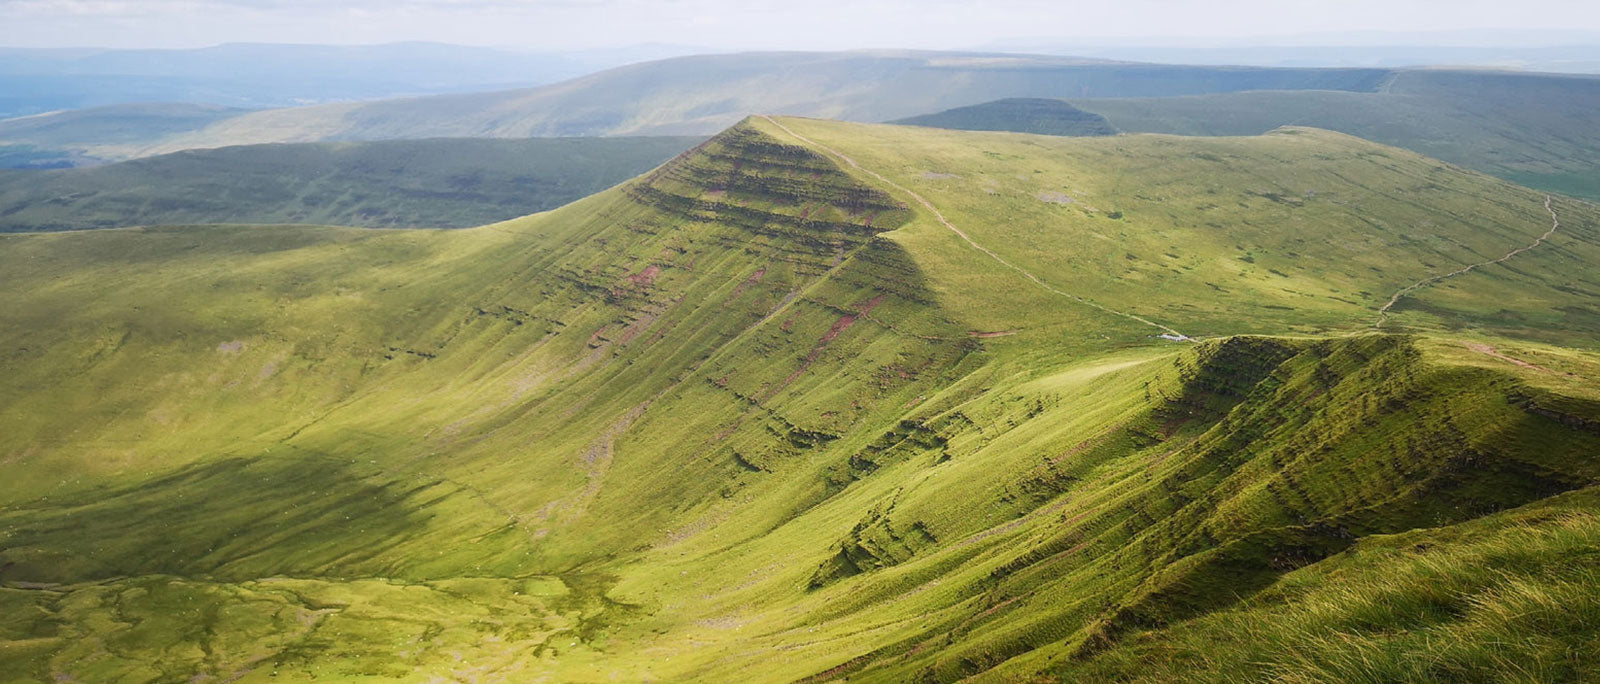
553 25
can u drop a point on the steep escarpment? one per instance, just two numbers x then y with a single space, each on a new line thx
1249 459
764 411
748 179
563 330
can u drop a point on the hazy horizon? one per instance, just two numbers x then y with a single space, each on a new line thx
722 25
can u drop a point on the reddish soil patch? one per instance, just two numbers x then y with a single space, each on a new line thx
839 326
848 320
647 277
638 327
833 333
753 279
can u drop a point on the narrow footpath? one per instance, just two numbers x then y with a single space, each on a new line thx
1555 224
1167 332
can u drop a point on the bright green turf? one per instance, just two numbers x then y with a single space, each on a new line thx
1510 597
759 415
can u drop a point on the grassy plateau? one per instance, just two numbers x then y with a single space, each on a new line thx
819 401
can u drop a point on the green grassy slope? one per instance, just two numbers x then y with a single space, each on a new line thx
449 183
1506 597
1223 236
1021 115
705 94
812 400
110 126
1532 129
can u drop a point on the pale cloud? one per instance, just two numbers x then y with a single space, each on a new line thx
746 24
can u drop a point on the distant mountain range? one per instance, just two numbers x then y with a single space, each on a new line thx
1576 59
697 95
1538 129
33 81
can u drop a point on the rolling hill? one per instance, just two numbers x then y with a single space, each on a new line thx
1530 129
1021 115
76 136
704 94
400 183
1534 130
818 400
1577 53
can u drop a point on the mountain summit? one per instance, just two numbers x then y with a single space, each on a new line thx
820 400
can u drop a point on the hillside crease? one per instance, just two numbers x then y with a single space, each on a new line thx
968 239
1555 224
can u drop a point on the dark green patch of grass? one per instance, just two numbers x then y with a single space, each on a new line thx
1021 115
449 183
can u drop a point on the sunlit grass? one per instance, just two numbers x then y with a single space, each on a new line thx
759 417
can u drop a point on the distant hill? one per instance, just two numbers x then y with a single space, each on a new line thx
112 126
1582 56
441 183
704 94
1539 130
1018 114
256 75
